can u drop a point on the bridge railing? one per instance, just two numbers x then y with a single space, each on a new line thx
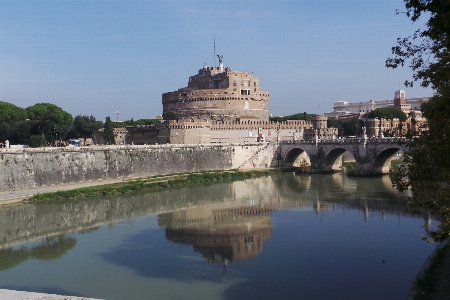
350 141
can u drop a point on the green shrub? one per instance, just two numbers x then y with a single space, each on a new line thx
37 141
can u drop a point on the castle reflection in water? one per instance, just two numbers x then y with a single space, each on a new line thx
220 234
224 222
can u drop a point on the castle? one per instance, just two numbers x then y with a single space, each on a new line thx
220 105
218 94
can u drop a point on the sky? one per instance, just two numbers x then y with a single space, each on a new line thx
97 57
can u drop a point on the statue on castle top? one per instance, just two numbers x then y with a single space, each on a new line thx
220 58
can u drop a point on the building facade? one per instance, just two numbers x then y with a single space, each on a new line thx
220 105
344 108
219 94
122 137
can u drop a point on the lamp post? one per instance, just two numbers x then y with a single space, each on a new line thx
56 135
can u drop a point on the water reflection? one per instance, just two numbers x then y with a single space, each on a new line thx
220 234
48 249
314 228
26 223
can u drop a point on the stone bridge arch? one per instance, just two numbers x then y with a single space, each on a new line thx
295 156
383 157
333 159
372 156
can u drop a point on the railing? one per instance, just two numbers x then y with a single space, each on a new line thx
390 140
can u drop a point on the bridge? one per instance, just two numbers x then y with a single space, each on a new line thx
372 156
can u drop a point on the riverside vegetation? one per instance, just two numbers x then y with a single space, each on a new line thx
151 184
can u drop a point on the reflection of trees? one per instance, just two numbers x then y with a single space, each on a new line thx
50 248
220 235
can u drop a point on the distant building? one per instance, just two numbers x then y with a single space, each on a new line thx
122 136
381 128
343 108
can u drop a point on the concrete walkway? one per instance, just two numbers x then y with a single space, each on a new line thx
19 295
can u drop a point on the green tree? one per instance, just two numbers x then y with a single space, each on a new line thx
11 112
351 127
299 116
120 124
85 126
22 134
37 141
143 122
50 120
336 124
426 167
108 133
427 50
388 113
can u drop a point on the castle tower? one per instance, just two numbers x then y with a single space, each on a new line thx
218 94
400 101
319 122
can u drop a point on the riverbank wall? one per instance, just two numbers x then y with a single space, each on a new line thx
40 167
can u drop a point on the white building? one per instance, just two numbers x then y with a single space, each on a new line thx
344 108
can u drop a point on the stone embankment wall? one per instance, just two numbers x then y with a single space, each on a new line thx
32 168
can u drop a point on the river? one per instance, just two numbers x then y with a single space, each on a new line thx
275 237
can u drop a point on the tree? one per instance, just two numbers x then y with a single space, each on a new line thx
426 167
143 122
427 50
336 124
11 112
388 113
37 141
85 126
352 126
50 120
12 119
108 133
299 116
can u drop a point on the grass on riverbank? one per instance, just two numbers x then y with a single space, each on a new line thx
151 184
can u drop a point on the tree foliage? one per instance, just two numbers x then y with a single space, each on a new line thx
85 126
426 167
427 50
37 141
299 116
48 112
11 112
108 133
388 113
50 120
350 127
143 122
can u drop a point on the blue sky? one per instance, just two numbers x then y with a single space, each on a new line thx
96 57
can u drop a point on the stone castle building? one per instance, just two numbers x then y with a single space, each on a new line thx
220 105
218 94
